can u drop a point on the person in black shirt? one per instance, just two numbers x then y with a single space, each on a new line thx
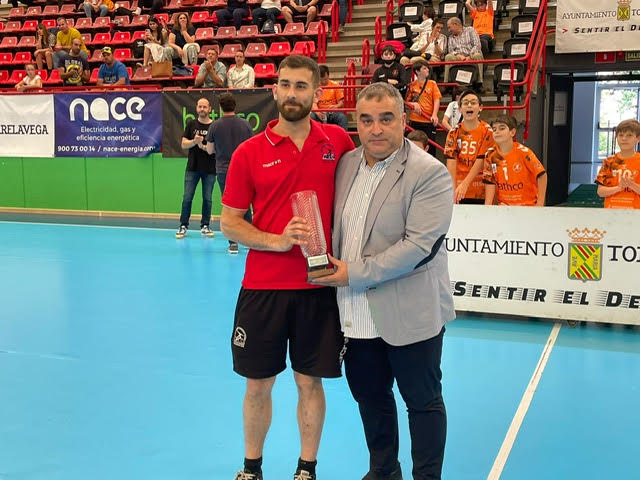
225 134
236 10
201 166
391 71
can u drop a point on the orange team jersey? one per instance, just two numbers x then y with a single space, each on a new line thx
614 168
430 94
515 175
465 148
331 96
483 21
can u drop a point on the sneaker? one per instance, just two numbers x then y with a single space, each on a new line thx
244 475
341 29
233 248
182 232
206 231
137 11
304 475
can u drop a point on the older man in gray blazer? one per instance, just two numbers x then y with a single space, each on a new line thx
393 206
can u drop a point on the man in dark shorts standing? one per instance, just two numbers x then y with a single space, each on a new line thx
277 308
224 136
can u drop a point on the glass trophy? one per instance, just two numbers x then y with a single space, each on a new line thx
305 204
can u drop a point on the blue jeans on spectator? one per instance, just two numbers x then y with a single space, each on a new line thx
261 14
222 180
334 118
191 180
103 11
225 15
344 7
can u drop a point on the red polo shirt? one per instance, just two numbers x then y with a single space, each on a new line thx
264 172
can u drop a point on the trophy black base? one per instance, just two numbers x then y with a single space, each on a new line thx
318 266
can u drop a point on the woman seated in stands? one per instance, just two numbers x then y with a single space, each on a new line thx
182 40
156 49
430 46
45 42
31 81
241 75
104 8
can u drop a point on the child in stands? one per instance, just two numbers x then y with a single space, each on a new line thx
619 177
511 170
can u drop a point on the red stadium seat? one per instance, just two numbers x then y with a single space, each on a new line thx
162 17
28 41
121 21
143 74
121 38
16 76
52 11
139 21
248 31
33 12
138 35
4 77
30 26
326 10
293 29
101 22
174 5
17 12
126 5
230 49
206 48
86 38
307 49
265 70
94 75
96 56
216 4
44 75
21 58
122 54
84 23
12 27
204 34
1 26
255 50
68 10
54 78
315 26
101 38
225 33
9 42
49 23
279 49
130 72
201 16
6 58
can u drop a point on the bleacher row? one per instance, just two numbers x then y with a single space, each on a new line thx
18 40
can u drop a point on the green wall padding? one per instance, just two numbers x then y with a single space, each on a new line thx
55 183
11 183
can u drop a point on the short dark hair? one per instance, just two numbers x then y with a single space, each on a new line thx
507 120
468 92
439 20
418 136
419 63
430 12
389 48
324 70
63 19
227 102
299 61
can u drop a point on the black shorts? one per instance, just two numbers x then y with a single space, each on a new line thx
266 320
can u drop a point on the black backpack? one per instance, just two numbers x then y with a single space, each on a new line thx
268 27
138 48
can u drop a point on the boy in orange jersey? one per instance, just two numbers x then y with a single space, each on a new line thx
619 177
512 170
482 15
423 96
465 149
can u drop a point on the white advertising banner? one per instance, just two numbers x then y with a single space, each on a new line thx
597 26
566 263
26 126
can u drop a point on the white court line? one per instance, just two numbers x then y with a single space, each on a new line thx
89 226
516 423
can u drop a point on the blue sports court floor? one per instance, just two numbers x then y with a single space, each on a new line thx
115 365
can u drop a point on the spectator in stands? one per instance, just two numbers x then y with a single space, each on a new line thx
224 136
391 70
423 96
31 81
511 170
301 7
331 98
482 15
241 75
97 8
63 41
183 40
619 177
112 73
430 45
212 72
268 10
419 138
452 114
156 48
156 6
342 17
428 16
28 3
45 42
236 10
74 68
463 45
465 149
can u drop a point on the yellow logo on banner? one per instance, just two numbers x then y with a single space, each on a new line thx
624 10
585 254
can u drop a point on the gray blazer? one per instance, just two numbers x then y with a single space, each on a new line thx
403 265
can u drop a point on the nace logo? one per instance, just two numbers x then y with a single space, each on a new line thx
100 109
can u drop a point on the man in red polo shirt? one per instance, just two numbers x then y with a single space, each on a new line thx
276 305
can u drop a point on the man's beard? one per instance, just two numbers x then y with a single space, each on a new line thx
293 115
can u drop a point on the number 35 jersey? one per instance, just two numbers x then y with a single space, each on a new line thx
465 147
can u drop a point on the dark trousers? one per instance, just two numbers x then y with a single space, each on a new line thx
222 180
191 180
225 15
156 6
428 128
486 44
260 15
371 367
